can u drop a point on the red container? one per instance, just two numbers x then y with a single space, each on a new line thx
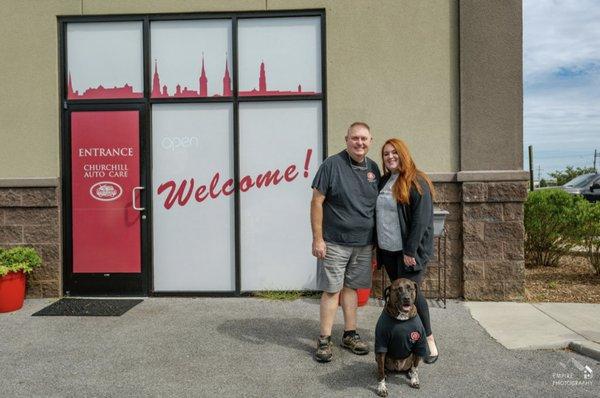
12 291
362 296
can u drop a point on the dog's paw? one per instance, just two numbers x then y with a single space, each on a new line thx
414 379
382 389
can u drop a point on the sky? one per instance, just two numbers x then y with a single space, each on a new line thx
561 81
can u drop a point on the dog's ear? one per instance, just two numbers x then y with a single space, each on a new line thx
386 294
416 286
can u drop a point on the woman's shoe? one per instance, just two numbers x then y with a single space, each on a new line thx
429 359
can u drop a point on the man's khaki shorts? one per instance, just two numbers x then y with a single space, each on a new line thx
348 266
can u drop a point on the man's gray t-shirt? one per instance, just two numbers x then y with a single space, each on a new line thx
350 196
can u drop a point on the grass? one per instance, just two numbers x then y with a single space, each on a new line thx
286 295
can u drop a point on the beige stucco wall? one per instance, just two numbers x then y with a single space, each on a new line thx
491 86
393 64
29 114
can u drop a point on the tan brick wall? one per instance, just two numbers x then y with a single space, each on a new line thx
493 259
31 217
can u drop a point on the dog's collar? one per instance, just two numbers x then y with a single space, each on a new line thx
402 316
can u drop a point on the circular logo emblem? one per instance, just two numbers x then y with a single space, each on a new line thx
371 176
414 336
106 191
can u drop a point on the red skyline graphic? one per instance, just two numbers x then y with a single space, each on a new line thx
163 92
101 92
185 92
159 91
262 87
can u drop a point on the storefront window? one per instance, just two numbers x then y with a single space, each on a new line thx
231 133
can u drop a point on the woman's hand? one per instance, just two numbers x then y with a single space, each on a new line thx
409 261
374 265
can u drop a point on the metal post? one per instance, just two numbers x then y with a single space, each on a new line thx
595 156
531 167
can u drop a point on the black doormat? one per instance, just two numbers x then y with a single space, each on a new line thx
88 307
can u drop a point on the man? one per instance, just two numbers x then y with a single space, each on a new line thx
342 215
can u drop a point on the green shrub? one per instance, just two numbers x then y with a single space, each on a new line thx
589 219
551 226
18 259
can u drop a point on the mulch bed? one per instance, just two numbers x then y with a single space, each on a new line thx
573 281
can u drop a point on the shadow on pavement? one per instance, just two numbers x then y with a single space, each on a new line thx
296 333
355 375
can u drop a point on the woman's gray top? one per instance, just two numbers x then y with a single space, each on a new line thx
389 236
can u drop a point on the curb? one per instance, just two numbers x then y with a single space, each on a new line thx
587 348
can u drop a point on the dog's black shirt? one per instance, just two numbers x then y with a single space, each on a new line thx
400 338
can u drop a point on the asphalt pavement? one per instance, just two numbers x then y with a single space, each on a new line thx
246 347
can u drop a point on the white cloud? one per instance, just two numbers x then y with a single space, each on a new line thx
559 33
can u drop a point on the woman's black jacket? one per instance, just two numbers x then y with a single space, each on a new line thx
416 225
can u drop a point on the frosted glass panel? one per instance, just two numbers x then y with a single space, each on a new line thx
192 197
104 60
279 56
280 150
191 59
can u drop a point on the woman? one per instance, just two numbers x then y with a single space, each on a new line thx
405 225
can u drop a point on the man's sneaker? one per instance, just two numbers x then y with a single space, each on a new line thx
355 344
324 353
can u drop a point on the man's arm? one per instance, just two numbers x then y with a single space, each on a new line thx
316 221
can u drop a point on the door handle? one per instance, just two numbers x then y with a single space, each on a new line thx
133 199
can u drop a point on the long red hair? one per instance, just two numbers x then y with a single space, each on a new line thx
409 172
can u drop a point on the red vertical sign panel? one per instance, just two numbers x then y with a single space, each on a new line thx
105 160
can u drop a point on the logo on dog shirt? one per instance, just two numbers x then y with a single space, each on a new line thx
370 176
415 336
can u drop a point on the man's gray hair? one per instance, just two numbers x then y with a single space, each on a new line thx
358 124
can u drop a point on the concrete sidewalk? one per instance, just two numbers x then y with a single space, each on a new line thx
541 325
246 347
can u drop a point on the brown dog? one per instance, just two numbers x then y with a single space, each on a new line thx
400 340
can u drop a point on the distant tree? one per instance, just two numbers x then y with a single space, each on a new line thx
543 183
570 172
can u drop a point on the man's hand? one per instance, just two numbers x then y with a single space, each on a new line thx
319 248
409 261
316 222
